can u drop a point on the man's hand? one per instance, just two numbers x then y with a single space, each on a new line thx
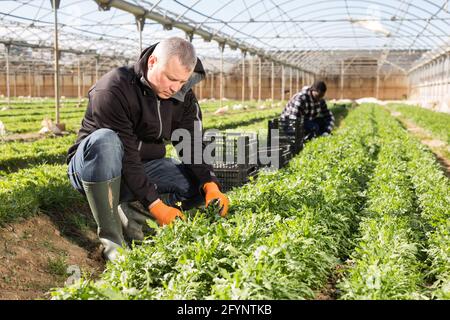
163 213
212 192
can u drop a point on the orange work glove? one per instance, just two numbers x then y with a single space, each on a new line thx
212 192
163 213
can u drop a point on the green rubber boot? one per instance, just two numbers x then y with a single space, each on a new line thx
103 198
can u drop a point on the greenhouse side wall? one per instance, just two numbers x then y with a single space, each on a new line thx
430 83
393 87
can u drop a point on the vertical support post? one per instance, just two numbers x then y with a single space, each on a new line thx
79 79
38 83
201 90
423 89
8 81
430 81
243 77
427 81
97 60
303 79
442 82
282 82
15 84
290 83
55 6
212 85
251 78
342 79
83 81
409 78
30 92
189 36
438 78
298 79
222 48
259 79
377 88
42 87
273 84
434 79
448 76
140 22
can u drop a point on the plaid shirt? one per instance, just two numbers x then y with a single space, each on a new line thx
302 104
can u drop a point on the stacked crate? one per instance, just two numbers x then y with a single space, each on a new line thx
235 158
290 133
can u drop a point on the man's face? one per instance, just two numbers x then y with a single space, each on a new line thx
166 79
317 95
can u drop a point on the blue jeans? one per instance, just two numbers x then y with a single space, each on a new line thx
314 128
99 158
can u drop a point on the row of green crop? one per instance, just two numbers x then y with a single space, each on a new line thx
47 108
36 102
24 193
16 124
16 155
432 189
385 263
72 124
39 114
284 235
404 242
438 123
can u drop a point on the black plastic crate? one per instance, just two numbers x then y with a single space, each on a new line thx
232 175
284 155
290 132
235 158
234 149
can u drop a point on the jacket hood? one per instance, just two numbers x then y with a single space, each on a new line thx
140 67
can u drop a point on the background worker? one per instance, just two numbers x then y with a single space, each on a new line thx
310 104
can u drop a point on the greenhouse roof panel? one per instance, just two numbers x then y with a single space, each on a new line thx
286 29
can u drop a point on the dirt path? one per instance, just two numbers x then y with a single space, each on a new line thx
36 255
435 145
330 292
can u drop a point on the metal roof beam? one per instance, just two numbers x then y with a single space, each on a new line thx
168 22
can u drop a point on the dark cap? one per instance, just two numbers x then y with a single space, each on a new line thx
319 86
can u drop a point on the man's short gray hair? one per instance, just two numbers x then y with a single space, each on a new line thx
176 47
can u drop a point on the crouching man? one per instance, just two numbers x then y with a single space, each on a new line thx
119 155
